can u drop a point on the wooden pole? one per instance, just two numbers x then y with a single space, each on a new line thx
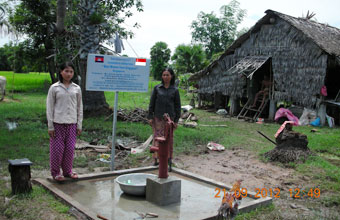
266 137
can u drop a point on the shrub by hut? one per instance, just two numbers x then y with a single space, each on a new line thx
298 55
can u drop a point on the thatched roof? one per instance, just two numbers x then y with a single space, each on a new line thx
326 37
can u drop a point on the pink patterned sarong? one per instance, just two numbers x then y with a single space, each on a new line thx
62 148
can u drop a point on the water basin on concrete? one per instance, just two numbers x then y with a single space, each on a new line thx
100 194
134 183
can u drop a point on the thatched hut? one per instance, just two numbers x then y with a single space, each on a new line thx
298 54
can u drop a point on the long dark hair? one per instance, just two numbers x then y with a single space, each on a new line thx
62 67
173 76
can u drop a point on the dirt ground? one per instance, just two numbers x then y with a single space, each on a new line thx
230 165
233 164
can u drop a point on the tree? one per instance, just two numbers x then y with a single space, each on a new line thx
7 29
22 57
160 56
5 52
61 13
217 33
19 58
70 30
189 59
5 26
102 21
242 31
36 20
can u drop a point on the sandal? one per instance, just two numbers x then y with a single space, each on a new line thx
59 178
73 175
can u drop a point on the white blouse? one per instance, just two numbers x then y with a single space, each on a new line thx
64 105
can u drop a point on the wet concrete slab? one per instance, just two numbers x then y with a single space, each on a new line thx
99 194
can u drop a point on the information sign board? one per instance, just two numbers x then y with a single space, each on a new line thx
120 74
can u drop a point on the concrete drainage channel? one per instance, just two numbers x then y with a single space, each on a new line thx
98 195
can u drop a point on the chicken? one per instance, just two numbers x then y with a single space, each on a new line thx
226 206
236 186
229 199
230 202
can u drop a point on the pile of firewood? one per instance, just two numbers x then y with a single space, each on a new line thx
188 119
136 115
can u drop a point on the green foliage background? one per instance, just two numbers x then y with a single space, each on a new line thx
189 59
160 56
217 33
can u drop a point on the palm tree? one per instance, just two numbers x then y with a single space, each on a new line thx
5 26
88 32
91 26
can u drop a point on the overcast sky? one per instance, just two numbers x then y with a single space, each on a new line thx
169 20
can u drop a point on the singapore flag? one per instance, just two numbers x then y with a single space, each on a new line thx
140 62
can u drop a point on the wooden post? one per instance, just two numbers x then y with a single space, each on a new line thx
217 100
192 102
322 114
20 175
272 109
227 103
199 100
234 106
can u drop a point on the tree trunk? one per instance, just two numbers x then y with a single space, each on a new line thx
94 102
52 70
50 57
61 13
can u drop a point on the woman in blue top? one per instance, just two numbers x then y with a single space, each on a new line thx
164 99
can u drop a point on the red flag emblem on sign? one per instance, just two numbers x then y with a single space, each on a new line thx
140 62
99 59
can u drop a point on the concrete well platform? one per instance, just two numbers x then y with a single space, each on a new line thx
98 194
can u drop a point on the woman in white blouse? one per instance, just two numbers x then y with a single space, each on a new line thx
64 109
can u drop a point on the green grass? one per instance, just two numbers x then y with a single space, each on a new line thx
39 204
30 139
261 211
132 100
20 82
327 174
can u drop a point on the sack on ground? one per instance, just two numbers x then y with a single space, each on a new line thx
330 121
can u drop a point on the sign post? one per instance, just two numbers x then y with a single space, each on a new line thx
113 148
111 73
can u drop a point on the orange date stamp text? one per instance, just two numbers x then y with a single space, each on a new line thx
269 192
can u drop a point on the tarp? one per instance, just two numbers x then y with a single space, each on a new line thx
283 112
